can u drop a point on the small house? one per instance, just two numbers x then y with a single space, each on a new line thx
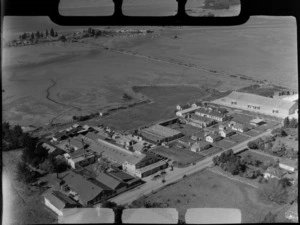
238 126
272 172
200 146
182 107
257 122
213 137
226 133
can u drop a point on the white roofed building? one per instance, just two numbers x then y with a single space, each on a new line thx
256 103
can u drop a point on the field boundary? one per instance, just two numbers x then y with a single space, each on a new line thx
215 170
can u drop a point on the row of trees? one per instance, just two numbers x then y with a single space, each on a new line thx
87 117
38 34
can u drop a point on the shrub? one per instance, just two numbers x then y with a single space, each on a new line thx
252 145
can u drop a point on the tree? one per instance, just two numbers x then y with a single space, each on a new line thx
24 174
37 34
280 132
286 122
274 191
47 33
63 39
293 123
47 166
32 36
52 34
252 145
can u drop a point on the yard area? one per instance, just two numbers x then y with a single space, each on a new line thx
238 138
252 133
180 156
23 202
210 151
224 144
186 129
257 156
207 189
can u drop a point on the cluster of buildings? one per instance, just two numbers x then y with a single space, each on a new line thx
77 191
85 146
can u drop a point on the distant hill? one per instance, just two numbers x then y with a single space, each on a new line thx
220 4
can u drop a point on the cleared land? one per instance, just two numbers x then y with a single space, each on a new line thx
207 189
89 77
165 99
238 138
224 144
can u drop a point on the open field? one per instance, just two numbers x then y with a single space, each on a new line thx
252 132
224 144
22 205
165 99
238 138
180 156
81 77
207 189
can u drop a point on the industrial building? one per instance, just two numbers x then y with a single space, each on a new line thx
260 104
199 121
158 134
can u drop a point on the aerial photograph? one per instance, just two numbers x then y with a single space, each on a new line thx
149 124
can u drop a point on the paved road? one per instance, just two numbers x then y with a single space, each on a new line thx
175 175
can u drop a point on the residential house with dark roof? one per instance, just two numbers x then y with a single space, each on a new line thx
57 201
226 133
213 137
238 124
182 107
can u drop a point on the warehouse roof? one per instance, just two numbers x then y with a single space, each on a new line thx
258 100
84 188
108 181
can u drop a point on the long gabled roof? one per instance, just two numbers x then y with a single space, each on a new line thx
84 188
259 100
108 181
58 199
